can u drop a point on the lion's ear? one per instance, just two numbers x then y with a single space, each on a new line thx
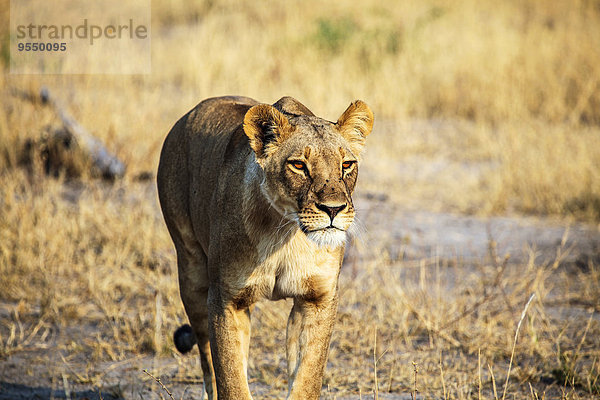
355 124
266 127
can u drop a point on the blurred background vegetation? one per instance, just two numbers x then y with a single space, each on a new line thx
526 74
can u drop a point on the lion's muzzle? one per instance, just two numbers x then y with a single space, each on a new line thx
331 210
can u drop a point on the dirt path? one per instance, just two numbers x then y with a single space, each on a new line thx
410 235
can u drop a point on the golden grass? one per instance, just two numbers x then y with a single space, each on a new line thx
481 107
526 73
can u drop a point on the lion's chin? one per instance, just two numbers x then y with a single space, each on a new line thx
328 237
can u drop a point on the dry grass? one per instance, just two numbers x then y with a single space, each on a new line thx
458 325
97 257
529 167
481 107
526 74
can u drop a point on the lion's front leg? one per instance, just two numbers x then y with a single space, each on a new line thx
308 334
229 339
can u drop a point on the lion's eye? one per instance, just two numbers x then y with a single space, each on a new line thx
347 164
298 165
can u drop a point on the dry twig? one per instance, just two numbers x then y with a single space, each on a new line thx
160 383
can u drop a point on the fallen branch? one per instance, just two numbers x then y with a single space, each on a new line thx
102 159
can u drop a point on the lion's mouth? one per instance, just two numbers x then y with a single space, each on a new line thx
330 228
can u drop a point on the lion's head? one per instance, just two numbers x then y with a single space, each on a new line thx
310 165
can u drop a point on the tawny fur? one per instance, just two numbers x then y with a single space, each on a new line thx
257 199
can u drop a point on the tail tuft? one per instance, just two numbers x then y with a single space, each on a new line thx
184 338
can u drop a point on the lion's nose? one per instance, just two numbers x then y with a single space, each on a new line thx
332 211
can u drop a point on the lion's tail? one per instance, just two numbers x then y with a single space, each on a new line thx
184 338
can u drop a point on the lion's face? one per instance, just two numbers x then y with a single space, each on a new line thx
310 167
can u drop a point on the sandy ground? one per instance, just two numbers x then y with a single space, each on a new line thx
412 235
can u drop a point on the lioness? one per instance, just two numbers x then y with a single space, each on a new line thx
257 199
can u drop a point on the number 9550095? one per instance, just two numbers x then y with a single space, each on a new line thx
42 46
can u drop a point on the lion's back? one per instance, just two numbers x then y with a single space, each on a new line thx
198 142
